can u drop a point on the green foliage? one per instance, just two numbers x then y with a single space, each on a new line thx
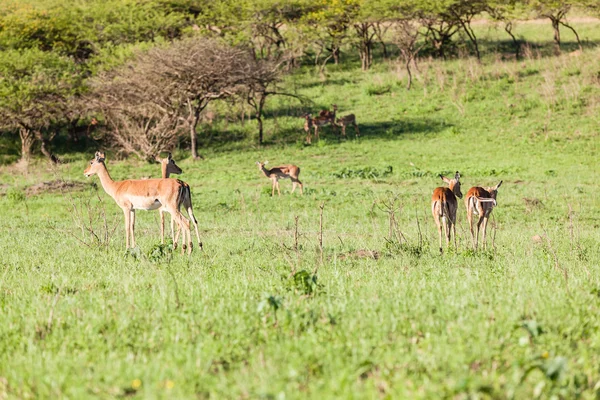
364 173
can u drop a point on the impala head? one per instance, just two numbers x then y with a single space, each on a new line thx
493 190
95 165
169 164
454 184
261 165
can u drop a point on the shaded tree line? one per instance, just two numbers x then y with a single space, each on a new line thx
146 70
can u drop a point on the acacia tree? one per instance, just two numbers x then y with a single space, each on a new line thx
36 92
556 11
507 12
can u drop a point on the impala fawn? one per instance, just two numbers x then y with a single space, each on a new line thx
345 121
444 205
480 201
281 172
168 167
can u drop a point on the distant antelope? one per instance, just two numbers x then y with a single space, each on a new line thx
281 172
168 167
345 121
148 194
444 205
329 114
308 126
480 201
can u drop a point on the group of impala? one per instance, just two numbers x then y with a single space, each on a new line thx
327 117
168 195
479 201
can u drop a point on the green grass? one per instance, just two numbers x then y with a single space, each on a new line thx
516 321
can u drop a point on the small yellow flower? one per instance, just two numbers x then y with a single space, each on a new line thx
136 383
169 384
545 354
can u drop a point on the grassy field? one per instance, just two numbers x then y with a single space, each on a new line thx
79 318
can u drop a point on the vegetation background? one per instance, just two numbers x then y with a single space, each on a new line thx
265 311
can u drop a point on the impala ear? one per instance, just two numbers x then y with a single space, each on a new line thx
498 185
457 176
266 162
170 157
100 156
444 178
157 159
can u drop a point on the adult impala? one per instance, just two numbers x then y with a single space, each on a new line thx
480 201
142 194
281 172
168 167
444 205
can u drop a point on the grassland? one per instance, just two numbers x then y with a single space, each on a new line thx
519 320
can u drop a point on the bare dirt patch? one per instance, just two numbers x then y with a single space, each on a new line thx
54 187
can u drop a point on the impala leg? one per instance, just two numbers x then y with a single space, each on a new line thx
479 222
301 188
278 190
132 219
357 131
127 227
436 218
195 222
447 230
470 219
175 239
316 133
273 183
485 221
453 223
162 226
293 186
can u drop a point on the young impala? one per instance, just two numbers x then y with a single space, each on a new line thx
444 205
281 172
168 167
308 126
480 201
345 121
142 194
325 117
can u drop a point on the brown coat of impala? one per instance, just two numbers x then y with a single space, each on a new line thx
168 167
480 201
347 120
142 194
444 206
281 172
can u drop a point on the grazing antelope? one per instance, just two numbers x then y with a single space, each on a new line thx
444 205
168 167
142 194
281 172
345 121
480 201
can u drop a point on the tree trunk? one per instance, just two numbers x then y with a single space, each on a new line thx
45 147
508 28
556 28
575 32
336 55
259 112
27 140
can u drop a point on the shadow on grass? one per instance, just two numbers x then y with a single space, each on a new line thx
389 130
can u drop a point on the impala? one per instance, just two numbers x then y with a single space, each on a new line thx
444 205
142 194
308 125
480 201
281 172
329 114
325 117
168 167
345 121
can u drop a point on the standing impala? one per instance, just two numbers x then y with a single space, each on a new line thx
345 121
480 201
281 172
168 167
142 194
444 205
